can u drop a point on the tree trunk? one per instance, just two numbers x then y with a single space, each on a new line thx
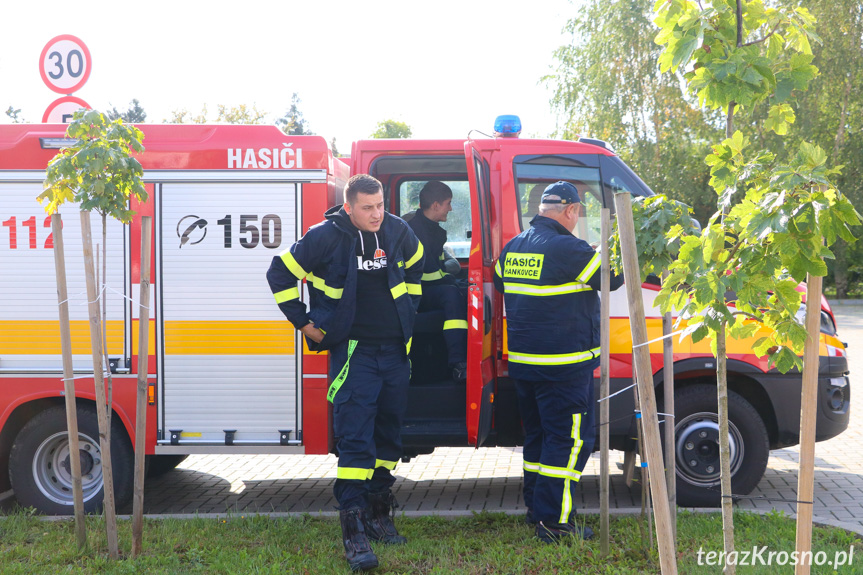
99 384
724 447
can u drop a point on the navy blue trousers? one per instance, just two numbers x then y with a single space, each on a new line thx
559 426
367 418
448 298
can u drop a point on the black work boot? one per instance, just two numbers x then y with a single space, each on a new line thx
379 519
358 551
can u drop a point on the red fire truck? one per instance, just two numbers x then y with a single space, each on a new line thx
227 374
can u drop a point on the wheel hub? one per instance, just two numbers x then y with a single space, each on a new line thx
52 469
697 448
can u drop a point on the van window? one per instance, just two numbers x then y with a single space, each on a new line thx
458 223
533 174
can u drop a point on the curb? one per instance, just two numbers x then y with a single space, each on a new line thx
843 302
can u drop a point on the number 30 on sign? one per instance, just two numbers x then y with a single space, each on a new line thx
65 64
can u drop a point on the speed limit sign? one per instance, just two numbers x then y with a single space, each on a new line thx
65 64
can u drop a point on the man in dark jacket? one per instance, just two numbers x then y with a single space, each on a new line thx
439 286
363 268
550 280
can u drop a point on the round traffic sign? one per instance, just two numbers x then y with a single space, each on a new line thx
60 110
65 64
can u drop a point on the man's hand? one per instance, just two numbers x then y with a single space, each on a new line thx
309 330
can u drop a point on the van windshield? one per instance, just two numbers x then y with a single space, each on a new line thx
534 174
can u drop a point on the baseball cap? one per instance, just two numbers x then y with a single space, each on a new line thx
567 193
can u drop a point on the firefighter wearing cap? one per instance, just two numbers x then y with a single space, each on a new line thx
550 280
363 268
440 291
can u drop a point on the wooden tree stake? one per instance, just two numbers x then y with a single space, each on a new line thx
68 381
604 364
99 382
809 404
670 421
641 357
141 406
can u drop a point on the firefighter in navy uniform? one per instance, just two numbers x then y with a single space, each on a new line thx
550 281
439 286
363 268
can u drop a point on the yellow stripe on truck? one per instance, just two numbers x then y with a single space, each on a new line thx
621 340
43 337
229 338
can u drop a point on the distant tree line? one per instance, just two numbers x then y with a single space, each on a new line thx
606 84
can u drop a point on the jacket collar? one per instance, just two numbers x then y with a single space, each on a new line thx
542 221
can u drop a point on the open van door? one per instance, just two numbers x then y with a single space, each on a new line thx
480 298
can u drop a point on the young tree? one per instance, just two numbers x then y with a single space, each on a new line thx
737 55
98 172
241 114
392 129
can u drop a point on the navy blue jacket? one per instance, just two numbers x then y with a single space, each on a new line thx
550 280
433 237
326 258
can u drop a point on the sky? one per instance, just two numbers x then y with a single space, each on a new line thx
444 67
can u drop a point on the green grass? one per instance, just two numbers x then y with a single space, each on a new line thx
484 543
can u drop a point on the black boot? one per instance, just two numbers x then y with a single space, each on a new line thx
379 519
358 552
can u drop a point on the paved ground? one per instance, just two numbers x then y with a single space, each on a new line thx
461 480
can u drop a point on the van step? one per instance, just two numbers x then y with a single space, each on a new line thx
435 432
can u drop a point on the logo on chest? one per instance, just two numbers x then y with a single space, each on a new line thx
378 262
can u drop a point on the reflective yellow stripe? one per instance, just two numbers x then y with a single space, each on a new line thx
497 269
531 467
408 346
432 276
559 473
287 295
590 268
455 324
566 504
399 290
417 256
320 285
293 266
552 359
386 464
354 473
526 289
415 289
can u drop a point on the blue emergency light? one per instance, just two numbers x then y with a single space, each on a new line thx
507 126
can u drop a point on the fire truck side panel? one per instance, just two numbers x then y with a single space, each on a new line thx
29 322
228 355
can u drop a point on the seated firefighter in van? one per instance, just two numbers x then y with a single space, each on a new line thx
439 288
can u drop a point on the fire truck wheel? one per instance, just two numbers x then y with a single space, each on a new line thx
697 446
39 466
160 464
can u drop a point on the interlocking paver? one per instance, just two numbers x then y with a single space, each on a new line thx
465 479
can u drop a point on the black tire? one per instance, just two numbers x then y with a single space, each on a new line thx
160 464
697 446
39 463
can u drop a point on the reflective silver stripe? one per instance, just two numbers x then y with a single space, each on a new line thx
526 289
560 473
532 467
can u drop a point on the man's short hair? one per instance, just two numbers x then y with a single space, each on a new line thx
434 191
361 184
546 208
